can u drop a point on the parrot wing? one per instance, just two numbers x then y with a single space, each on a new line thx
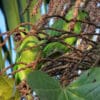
27 53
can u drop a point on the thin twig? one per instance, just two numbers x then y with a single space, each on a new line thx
82 21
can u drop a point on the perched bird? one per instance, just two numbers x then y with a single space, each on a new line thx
27 52
60 24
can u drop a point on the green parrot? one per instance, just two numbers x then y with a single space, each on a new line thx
62 25
26 53
82 15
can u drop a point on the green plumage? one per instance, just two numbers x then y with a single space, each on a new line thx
26 53
53 48
77 27
62 25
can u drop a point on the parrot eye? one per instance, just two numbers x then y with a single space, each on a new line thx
17 37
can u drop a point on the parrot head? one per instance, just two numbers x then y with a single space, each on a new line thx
19 38
20 35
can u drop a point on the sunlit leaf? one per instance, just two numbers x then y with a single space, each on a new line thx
7 91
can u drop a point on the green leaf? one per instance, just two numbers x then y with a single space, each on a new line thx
7 91
46 87
86 87
88 77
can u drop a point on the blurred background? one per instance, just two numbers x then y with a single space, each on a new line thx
12 13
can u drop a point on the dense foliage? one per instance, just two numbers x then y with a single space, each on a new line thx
57 45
